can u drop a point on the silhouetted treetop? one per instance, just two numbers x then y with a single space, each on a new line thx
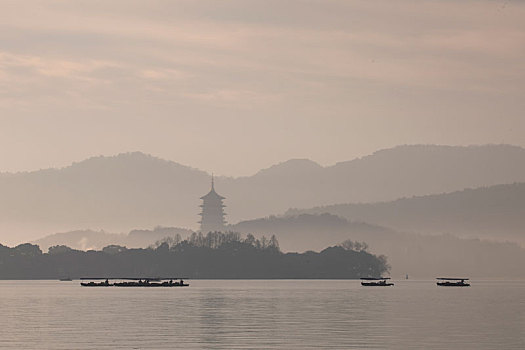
218 240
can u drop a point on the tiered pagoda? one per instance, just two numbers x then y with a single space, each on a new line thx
212 215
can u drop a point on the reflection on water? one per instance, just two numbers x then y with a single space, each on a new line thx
263 315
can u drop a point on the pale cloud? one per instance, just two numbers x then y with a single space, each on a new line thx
388 53
162 74
49 67
241 98
352 75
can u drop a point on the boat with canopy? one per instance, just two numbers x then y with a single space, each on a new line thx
375 281
133 282
452 282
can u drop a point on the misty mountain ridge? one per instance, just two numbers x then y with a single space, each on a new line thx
290 168
136 190
96 240
496 212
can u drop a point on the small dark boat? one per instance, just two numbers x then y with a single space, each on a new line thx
452 282
157 282
375 282
96 284
65 279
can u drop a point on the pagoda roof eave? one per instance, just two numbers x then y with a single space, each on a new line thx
212 195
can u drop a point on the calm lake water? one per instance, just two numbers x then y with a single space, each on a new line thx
247 314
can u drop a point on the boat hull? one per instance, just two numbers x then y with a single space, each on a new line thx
151 285
92 284
376 284
134 284
452 284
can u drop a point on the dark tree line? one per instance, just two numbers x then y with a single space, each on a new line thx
215 240
215 255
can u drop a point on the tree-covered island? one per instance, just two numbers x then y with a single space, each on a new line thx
212 256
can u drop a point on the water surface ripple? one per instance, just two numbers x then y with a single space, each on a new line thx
254 314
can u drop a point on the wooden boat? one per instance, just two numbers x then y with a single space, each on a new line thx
96 284
452 282
156 282
135 282
375 282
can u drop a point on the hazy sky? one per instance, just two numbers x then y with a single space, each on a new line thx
234 86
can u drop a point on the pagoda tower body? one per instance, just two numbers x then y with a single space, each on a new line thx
212 215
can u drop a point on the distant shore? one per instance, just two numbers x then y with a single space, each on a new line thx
215 256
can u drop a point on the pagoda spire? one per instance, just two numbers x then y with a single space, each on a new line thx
212 215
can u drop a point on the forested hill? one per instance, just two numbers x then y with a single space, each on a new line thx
496 212
215 256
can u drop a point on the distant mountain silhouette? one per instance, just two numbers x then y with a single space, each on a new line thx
496 212
115 193
418 255
96 240
136 190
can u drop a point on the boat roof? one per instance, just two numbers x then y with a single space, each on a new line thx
375 278
452 279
